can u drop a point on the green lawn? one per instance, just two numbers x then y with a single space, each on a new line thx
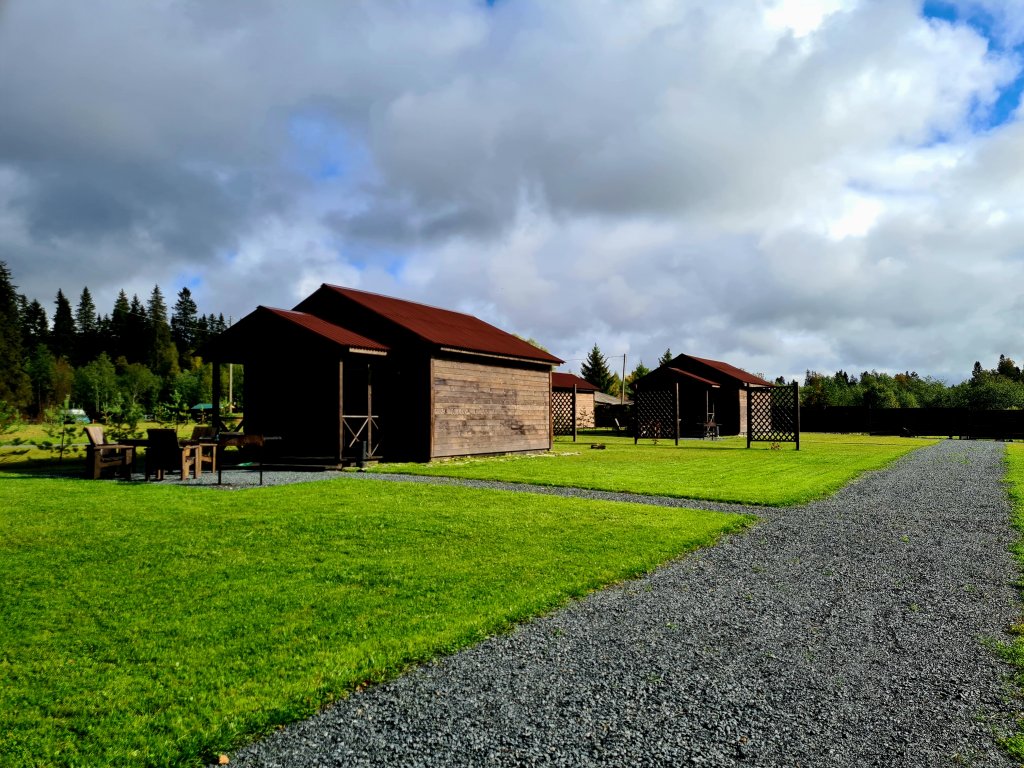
162 624
1014 651
723 470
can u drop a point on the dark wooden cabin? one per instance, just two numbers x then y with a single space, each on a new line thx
706 387
731 398
350 375
665 392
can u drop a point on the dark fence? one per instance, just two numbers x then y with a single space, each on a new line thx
939 422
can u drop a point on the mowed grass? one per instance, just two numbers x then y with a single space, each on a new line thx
1014 651
162 625
716 470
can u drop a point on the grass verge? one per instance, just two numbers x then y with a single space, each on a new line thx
1013 651
722 470
161 625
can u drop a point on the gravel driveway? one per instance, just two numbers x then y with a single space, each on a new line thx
848 632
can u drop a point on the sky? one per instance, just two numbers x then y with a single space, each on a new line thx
781 184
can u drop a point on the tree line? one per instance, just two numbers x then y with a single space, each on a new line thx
138 358
999 388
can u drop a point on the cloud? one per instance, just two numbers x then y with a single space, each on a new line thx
782 184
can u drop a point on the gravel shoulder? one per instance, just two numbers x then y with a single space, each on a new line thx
848 632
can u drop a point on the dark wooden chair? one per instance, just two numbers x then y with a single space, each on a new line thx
101 455
165 454
204 438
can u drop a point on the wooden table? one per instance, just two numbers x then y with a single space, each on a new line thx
242 440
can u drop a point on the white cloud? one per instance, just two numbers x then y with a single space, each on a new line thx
785 184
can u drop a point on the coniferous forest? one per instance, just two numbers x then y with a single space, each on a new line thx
137 358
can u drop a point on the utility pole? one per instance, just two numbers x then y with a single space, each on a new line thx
622 389
231 380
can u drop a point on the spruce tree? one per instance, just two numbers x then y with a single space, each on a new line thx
184 327
87 326
595 370
14 383
163 355
35 325
666 358
62 340
119 327
136 339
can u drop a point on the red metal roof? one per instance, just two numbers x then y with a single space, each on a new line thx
732 370
447 328
566 380
694 376
329 331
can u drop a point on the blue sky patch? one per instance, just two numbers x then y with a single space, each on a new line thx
985 25
322 149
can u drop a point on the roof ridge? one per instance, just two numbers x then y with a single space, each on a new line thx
341 288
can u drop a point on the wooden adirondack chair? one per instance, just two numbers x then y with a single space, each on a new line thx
165 454
101 455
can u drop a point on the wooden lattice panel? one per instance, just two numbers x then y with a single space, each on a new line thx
655 414
562 415
773 415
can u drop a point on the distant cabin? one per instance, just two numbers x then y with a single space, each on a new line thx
562 388
709 391
348 375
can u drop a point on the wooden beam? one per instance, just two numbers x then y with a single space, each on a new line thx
574 413
677 413
218 423
796 398
341 410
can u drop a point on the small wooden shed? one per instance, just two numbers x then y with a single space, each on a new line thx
708 390
733 383
388 379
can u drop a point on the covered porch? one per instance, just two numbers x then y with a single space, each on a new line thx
310 385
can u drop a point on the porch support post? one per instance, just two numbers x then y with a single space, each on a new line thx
796 401
369 412
636 416
341 410
750 413
574 413
675 400
218 423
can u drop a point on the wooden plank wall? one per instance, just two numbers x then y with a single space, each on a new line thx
480 408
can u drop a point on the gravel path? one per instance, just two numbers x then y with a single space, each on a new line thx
848 632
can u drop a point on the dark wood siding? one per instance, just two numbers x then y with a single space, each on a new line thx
487 408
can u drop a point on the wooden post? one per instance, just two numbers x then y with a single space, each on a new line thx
676 403
749 411
796 400
218 424
341 410
573 416
369 410
636 417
